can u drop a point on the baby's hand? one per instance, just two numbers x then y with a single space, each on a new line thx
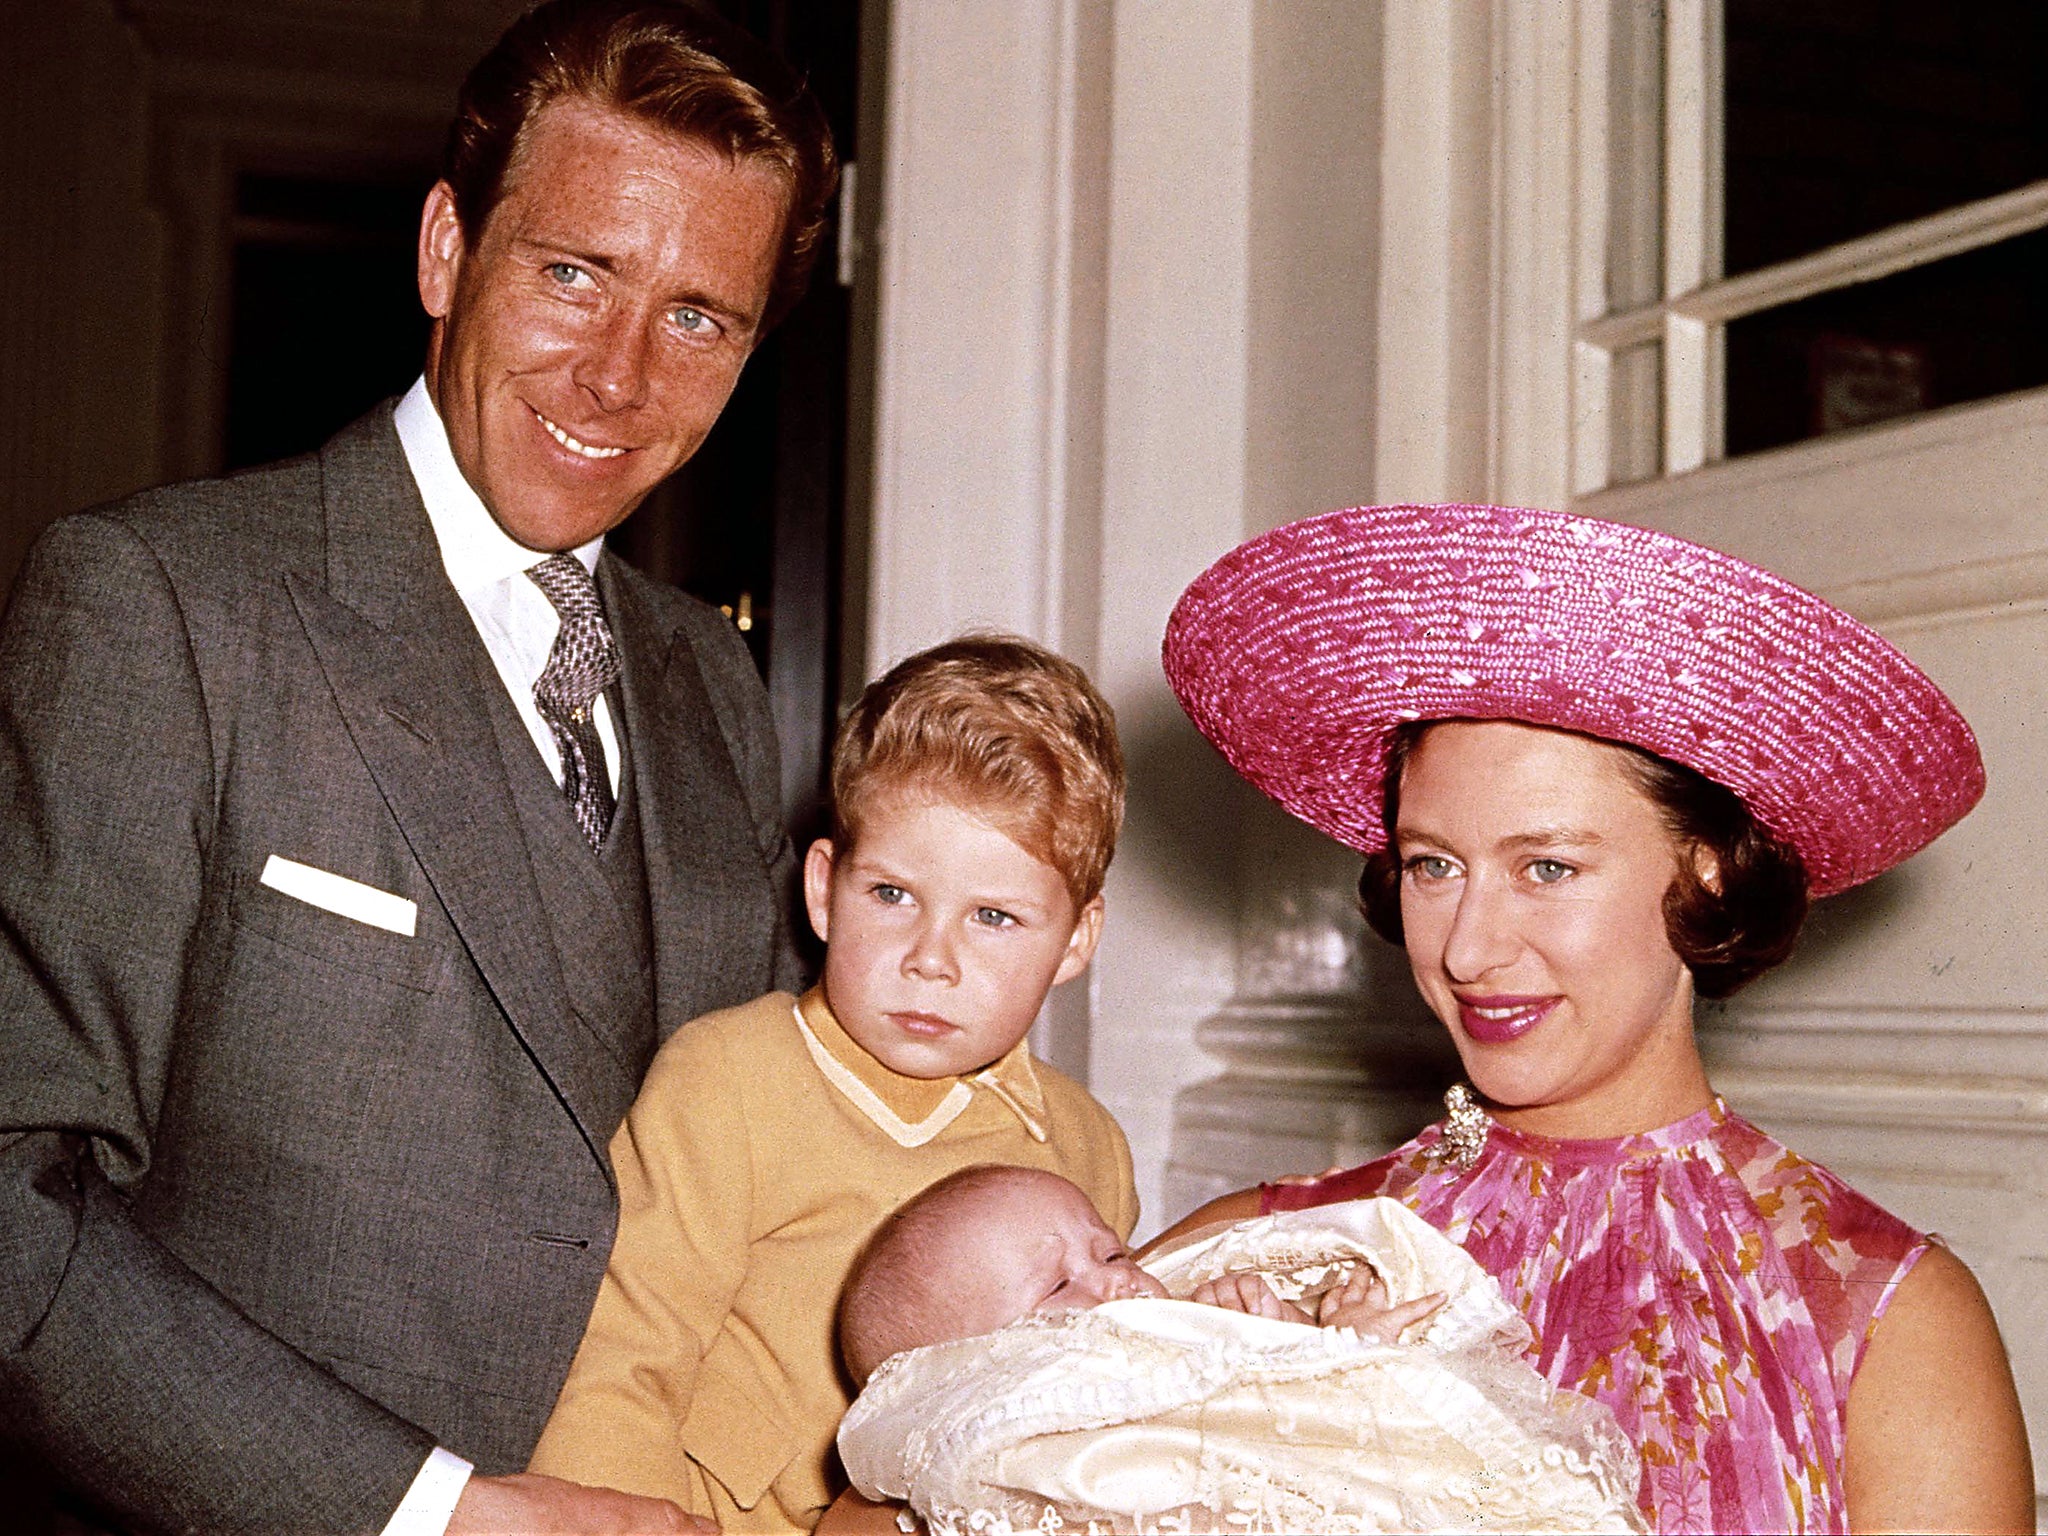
1246 1290
1361 1303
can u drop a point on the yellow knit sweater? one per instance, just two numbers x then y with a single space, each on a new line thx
759 1156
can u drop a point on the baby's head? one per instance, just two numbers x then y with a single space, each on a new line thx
977 791
980 1248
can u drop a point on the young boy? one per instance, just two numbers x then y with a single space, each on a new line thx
1033 1369
977 794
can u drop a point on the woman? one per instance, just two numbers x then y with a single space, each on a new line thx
1596 772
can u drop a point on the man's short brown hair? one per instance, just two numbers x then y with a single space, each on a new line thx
669 64
1011 730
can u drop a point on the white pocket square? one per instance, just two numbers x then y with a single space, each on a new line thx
338 893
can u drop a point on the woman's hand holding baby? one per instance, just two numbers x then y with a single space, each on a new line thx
1360 1304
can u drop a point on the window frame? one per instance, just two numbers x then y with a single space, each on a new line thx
1683 408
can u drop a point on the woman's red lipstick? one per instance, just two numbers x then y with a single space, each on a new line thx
1497 1020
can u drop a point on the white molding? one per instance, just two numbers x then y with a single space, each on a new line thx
1483 164
1590 428
1692 144
1695 389
1932 515
1311 1081
1695 354
1878 1019
975 241
2005 1109
1435 356
1536 264
1999 588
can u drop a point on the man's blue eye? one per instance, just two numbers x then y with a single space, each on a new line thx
694 321
891 894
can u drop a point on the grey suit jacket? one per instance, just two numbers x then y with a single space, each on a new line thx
285 1198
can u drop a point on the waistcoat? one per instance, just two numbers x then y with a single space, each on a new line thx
594 904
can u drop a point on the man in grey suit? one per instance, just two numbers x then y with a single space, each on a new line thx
358 847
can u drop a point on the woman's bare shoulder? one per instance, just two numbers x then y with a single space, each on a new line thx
1936 1439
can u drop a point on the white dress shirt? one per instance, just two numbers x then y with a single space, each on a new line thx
488 568
518 626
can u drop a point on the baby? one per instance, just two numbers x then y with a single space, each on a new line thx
1020 1368
990 1244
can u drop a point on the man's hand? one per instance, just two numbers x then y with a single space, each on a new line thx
1245 1290
1361 1303
528 1504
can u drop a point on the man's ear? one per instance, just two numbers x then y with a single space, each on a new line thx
818 886
441 251
1081 943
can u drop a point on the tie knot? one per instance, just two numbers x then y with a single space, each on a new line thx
567 585
584 661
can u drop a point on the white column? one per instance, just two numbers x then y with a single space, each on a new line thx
1179 344
973 321
1436 228
1061 431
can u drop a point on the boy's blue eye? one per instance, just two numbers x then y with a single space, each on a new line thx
993 917
889 894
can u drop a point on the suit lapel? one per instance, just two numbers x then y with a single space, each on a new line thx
407 669
690 801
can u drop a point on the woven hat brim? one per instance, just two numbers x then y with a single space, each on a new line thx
1299 652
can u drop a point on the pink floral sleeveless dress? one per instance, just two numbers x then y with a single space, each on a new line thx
1711 1287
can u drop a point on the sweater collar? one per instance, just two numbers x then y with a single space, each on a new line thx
912 1110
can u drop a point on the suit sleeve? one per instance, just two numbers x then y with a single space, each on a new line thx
747 724
685 1176
130 1377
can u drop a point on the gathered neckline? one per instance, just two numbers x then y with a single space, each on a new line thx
1693 1130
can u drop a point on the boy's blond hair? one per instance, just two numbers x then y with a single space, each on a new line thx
1010 729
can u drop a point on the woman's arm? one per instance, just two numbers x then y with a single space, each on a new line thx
1936 1440
1221 1211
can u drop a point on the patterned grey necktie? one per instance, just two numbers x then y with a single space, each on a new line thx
583 663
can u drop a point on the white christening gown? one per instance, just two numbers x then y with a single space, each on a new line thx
1167 1415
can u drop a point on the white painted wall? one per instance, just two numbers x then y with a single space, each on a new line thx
1129 276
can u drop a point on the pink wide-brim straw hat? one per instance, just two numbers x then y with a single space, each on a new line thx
1299 652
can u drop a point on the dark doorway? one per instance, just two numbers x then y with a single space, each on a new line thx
323 267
